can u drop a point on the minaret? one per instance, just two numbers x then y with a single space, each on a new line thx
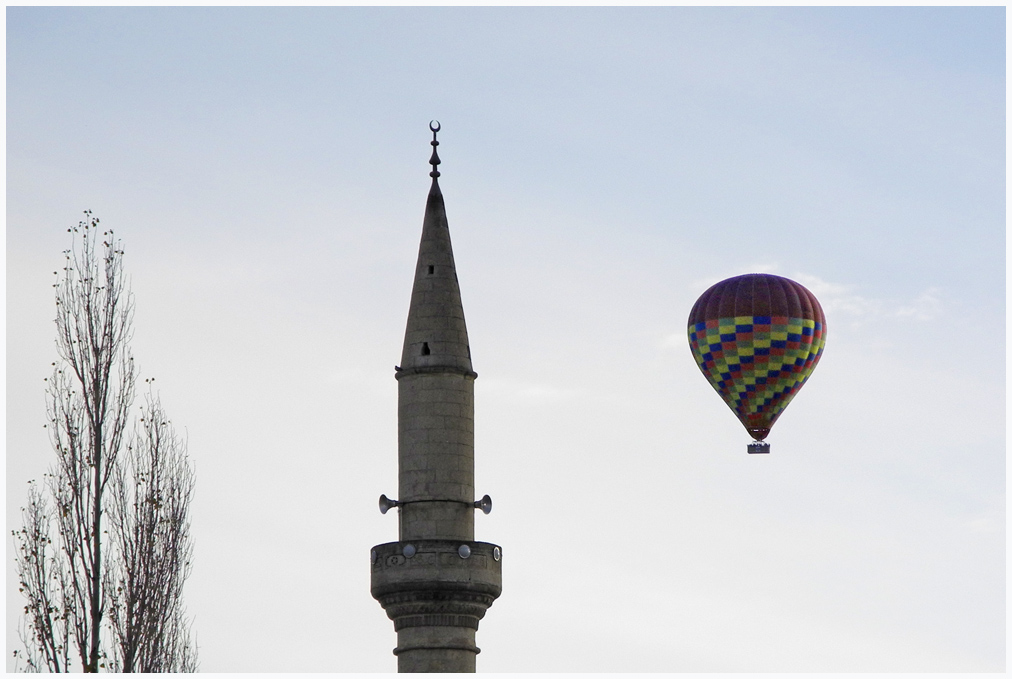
436 582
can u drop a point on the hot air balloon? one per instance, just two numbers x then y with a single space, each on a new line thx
757 338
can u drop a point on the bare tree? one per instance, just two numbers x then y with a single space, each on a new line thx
150 519
69 584
44 628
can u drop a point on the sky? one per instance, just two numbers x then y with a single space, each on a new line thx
267 170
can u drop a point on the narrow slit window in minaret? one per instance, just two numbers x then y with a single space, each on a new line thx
432 269
425 349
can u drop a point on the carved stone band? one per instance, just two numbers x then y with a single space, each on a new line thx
405 649
435 620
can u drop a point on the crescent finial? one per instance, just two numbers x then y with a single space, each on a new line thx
434 160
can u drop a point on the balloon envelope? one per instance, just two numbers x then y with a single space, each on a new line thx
757 338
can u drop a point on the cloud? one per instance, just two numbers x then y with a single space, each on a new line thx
924 308
840 299
702 284
675 340
989 522
843 305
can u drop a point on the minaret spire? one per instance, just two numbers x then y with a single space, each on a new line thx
436 581
436 335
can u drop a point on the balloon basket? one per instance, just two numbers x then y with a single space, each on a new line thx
758 447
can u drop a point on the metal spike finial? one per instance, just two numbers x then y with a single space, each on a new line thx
434 160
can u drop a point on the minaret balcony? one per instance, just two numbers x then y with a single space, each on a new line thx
436 583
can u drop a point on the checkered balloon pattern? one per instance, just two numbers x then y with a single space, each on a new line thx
757 338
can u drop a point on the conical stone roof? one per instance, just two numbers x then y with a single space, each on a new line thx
436 335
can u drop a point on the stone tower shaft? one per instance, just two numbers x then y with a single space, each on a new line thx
435 582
